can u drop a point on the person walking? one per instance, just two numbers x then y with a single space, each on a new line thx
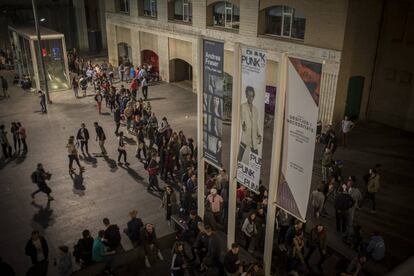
5 87
4 141
144 85
133 228
169 203
100 136
152 169
346 127
150 243
117 119
373 185
38 251
16 137
317 240
121 149
75 86
83 137
73 155
42 97
39 178
83 83
98 99
23 136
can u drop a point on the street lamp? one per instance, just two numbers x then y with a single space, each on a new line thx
39 48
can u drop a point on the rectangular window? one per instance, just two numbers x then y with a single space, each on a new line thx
124 6
150 8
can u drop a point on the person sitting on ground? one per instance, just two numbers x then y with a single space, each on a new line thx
376 247
83 249
112 237
100 254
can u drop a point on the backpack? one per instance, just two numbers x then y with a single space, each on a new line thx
33 176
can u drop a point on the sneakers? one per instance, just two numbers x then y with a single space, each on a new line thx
160 256
147 263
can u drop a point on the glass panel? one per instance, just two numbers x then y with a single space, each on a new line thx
218 14
287 9
178 10
236 17
153 8
286 25
186 12
274 21
124 6
298 25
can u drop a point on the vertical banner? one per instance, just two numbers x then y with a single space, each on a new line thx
253 89
213 101
301 115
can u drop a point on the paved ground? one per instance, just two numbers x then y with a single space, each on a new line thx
106 190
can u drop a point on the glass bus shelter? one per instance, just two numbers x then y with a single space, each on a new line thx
26 55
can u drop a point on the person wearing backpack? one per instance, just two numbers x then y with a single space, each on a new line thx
39 178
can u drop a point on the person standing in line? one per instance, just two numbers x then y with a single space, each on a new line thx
112 237
343 205
117 119
42 97
121 71
169 203
144 85
39 178
318 198
38 250
100 136
75 86
83 249
98 99
83 138
141 143
121 149
356 195
346 127
283 220
326 164
232 265
5 87
64 261
73 155
250 231
133 228
180 260
150 243
23 136
216 204
373 185
152 169
4 141
318 240
16 137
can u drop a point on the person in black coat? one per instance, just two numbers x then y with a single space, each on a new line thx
100 136
83 249
117 119
83 137
133 228
38 250
112 237
343 204
231 260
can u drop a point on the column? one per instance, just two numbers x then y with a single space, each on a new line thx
81 25
275 166
133 8
199 14
249 15
197 57
162 11
102 23
234 146
200 154
163 55
112 44
136 47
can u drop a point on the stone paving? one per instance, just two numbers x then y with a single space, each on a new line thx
104 189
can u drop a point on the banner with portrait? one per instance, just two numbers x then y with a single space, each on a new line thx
213 101
253 90
299 134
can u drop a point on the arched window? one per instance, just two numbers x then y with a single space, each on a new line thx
183 10
286 22
226 14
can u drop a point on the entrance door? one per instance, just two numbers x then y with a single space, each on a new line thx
353 99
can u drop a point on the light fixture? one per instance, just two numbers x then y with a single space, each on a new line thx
42 19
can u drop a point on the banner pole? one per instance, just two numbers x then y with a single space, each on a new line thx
200 131
275 166
234 145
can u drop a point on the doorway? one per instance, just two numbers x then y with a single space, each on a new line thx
180 70
354 96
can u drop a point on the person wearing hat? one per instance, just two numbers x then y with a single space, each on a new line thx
73 154
133 228
216 204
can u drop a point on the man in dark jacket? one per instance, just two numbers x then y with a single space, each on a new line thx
232 261
133 228
39 177
212 259
100 137
83 137
343 204
150 243
38 250
112 237
318 238
83 249
117 119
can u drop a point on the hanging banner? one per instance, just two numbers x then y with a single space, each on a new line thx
253 89
301 115
213 101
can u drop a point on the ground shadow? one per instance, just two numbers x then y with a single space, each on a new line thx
129 140
4 162
139 179
89 160
43 216
111 164
78 187
105 113
156 98
20 158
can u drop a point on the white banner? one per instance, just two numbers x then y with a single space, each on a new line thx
253 88
301 114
